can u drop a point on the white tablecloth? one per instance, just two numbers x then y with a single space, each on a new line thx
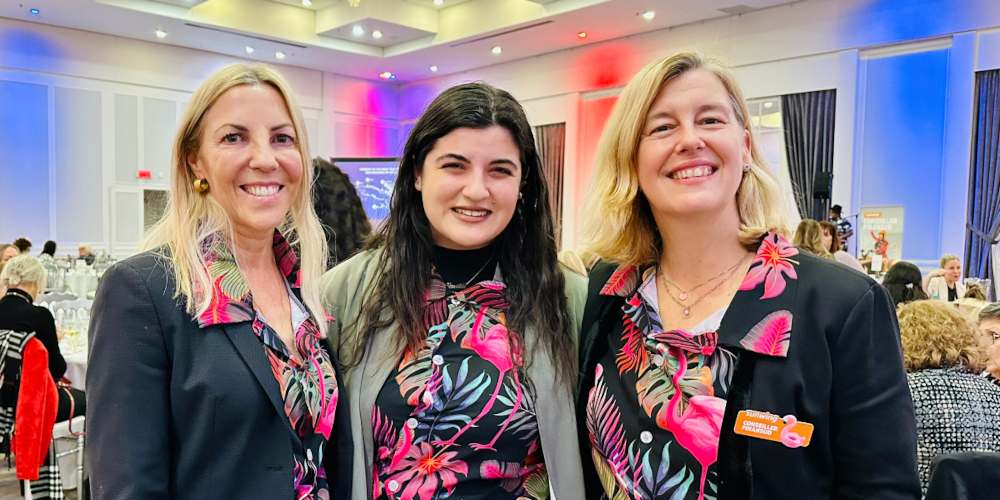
76 369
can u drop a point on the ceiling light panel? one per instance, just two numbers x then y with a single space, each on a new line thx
183 3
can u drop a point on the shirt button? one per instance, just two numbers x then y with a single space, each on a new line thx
658 360
393 485
646 437
438 360
411 423
309 455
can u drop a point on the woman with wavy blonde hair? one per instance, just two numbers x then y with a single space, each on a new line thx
809 237
957 410
689 328
209 368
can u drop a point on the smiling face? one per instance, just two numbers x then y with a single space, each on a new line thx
250 157
469 184
952 270
692 148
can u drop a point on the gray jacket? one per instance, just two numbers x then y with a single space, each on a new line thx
343 288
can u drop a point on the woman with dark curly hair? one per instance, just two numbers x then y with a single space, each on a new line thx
340 210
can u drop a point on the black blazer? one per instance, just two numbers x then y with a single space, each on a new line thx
843 373
180 412
17 313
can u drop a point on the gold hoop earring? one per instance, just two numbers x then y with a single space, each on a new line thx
201 186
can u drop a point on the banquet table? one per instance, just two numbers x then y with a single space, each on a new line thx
76 368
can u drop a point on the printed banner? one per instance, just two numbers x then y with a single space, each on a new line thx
880 237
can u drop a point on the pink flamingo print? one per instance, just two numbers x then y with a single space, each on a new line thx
493 347
789 438
697 428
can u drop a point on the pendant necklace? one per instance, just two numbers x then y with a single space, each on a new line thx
680 300
684 294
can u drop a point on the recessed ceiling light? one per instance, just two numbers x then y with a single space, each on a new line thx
279 55
385 75
358 30
497 49
434 69
376 34
34 11
648 14
249 49
438 2
160 34
306 3
582 34
768 104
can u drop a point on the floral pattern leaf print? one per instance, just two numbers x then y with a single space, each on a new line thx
773 262
771 335
456 419
308 388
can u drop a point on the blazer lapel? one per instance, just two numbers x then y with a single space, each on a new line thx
252 352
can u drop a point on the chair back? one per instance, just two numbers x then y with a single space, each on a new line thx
47 298
964 476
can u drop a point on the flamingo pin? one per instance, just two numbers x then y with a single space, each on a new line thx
789 438
697 428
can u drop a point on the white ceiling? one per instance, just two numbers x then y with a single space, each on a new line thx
456 36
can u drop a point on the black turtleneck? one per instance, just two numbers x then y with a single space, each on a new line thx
466 267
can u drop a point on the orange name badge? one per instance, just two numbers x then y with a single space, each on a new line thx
763 425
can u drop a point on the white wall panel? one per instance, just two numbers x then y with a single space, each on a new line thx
24 162
126 138
78 171
159 124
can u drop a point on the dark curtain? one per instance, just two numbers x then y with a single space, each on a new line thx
551 143
808 120
983 215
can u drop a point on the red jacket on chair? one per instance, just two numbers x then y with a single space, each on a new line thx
37 403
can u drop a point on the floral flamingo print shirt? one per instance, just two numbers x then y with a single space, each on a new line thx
655 412
308 388
456 419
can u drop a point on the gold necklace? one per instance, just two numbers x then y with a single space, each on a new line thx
687 308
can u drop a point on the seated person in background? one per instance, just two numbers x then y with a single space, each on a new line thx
809 237
944 283
972 302
23 244
86 253
8 252
956 409
832 243
48 252
989 331
24 279
903 283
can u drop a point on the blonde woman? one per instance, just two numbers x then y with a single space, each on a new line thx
209 370
945 282
717 360
957 410
809 237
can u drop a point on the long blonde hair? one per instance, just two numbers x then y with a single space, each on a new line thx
618 224
191 217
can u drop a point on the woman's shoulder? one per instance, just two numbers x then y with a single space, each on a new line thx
153 268
830 277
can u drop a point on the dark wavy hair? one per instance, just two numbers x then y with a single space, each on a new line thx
535 287
340 210
904 283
